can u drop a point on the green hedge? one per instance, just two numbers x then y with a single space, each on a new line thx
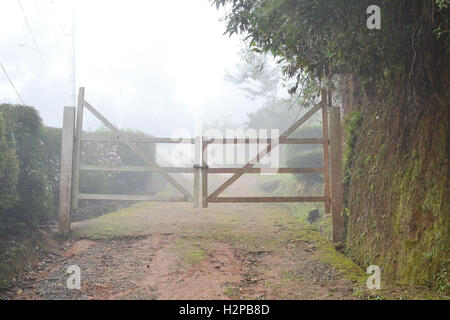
30 164
9 169
30 198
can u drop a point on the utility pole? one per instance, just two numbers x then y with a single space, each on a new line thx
72 63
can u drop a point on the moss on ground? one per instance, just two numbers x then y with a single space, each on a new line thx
261 228
190 250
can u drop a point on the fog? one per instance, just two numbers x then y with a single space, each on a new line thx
154 66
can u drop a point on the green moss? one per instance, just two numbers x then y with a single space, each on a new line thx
191 251
116 224
397 198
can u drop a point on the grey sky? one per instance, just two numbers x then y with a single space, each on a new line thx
151 65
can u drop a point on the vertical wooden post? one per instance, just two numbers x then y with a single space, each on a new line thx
337 188
65 183
326 166
77 150
197 151
204 173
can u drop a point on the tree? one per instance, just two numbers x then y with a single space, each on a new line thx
9 170
35 202
331 36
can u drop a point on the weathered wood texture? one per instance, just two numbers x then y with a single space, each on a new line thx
65 183
129 197
265 199
337 188
77 149
326 173
204 173
197 151
84 167
263 141
119 138
265 170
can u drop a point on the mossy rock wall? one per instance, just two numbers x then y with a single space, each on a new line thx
397 209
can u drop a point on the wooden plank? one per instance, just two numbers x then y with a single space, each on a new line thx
302 120
265 199
267 150
86 138
265 170
124 197
137 169
337 187
137 150
77 149
268 140
326 173
65 183
301 141
204 173
197 151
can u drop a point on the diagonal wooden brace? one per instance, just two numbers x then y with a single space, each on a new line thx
266 151
138 151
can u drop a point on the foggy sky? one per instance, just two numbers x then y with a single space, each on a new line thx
156 66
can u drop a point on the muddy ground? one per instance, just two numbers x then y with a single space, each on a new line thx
173 251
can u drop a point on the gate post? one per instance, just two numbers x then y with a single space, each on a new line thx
204 173
326 164
337 188
77 149
197 150
65 183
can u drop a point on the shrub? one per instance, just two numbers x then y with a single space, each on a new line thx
9 170
34 197
307 159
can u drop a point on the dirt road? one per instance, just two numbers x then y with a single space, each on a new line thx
173 251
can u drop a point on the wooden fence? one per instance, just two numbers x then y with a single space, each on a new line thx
73 137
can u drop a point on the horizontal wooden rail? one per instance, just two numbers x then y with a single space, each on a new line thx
133 147
265 199
89 196
138 140
263 141
265 170
137 169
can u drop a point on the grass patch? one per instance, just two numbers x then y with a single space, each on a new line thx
232 291
191 251
16 254
123 223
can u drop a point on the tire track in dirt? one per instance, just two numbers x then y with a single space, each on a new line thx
223 252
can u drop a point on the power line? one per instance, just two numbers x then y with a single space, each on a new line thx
43 19
58 21
12 84
32 36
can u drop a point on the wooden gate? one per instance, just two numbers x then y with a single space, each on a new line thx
248 168
70 163
71 151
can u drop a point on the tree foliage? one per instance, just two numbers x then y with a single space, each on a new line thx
34 202
9 169
312 36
